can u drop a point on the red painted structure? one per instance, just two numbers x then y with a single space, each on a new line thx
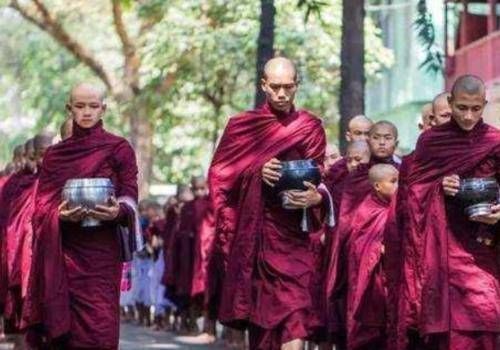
473 47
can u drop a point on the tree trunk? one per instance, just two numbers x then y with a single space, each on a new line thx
141 137
265 45
352 70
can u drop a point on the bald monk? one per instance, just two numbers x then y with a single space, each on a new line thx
426 117
18 229
72 299
332 155
366 297
358 128
66 129
261 247
382 141
457 270
441 110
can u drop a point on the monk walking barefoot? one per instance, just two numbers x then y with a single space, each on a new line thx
73 292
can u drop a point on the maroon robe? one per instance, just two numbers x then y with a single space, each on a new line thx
183 248
171 225
18 233
457 278
356 187
202 251
366 295
267 258
5 199
74 286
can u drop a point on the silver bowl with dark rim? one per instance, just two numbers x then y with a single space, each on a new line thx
478 195
88 192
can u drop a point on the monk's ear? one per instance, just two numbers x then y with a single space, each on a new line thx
396 143
104 107
348 136
263 84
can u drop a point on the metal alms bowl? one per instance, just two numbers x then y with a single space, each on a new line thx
88 192
295 172
478 195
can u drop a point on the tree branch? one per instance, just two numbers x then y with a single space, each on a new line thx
132 59
49 24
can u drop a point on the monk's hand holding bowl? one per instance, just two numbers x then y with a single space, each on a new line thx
271 172
303 199
451 185
490 219
72 215
106 213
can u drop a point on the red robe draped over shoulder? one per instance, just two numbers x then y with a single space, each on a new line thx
456 278
19 204
74 286
356 188
183 249
267 259
366 295
204 239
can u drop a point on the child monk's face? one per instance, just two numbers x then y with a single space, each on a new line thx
387 186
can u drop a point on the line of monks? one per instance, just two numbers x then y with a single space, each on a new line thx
379 256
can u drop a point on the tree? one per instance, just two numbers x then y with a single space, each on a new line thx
265 45
125 86
197 62
352 68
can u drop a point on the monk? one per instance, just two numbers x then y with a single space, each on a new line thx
382 141
18 230
260 245
74 286
426 117
332 155
66 129
358 128
441 110
183 251
162 306
456 270
366 299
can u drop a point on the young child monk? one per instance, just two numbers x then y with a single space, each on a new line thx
366 296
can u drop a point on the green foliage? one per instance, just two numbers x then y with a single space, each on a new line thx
206 48
426 33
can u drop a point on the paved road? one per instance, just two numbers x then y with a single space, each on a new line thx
140 338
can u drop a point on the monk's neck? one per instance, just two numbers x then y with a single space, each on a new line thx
267 108
380 199
78 131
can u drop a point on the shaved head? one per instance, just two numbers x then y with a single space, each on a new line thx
66 129
358 128
86 105
332 155
426 117
387 125
441 109
381 172
86 89
280 66
357 152
470 85
42 142
279 84
467 101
